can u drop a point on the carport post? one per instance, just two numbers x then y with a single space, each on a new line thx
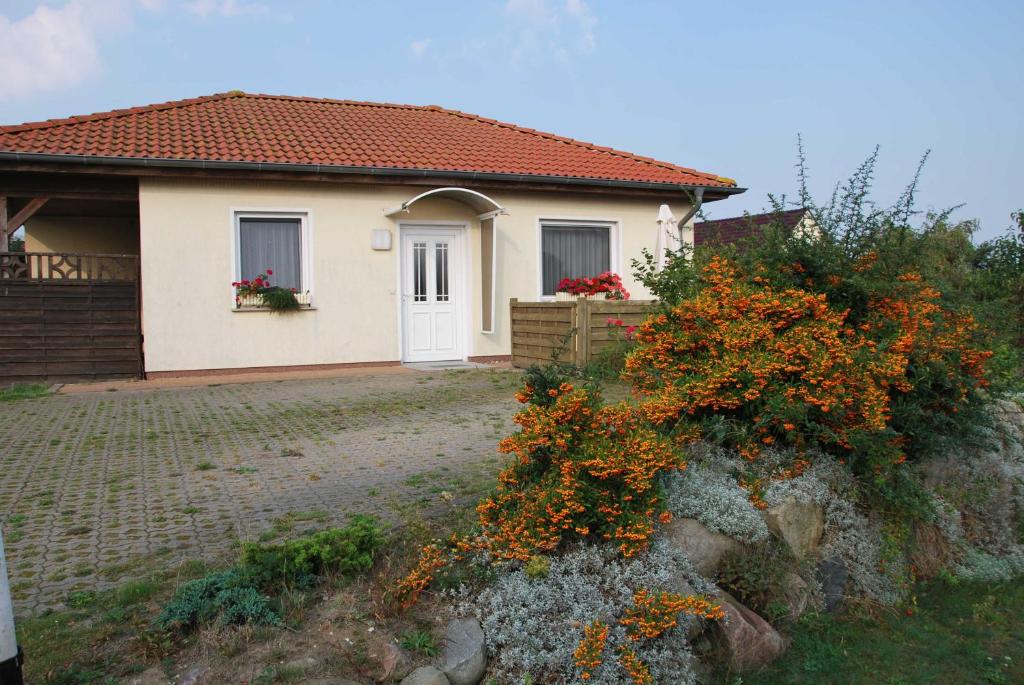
10 656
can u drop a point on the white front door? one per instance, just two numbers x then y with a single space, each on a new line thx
431 291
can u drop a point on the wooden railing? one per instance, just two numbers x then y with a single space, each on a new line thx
571 332
65 266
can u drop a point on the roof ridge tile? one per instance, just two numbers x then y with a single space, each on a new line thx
111 114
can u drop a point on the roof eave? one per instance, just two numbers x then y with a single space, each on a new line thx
167 163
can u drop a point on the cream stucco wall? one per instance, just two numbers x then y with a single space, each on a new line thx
88 234
188 262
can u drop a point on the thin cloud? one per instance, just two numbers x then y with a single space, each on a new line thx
419 47
225 8
586 23
47 50
59 47
544 28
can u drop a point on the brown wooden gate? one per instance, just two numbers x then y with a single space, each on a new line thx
572 332
67 317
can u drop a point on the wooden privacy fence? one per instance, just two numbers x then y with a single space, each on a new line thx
574 331
69 317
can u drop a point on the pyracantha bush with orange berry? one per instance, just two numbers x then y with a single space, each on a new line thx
581 469
748 364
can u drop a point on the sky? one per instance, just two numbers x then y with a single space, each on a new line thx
721 87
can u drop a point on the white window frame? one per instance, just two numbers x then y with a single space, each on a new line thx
614 244
305 217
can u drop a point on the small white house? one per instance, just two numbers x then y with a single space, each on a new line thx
404 230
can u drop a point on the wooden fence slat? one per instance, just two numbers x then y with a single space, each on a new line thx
540 328
66 317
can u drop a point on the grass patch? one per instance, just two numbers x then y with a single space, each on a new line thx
254 591
102 636
962 633
24 391
420 641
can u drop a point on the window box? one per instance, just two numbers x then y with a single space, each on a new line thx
569 297
250 303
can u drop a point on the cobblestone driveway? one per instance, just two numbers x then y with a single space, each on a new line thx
98 487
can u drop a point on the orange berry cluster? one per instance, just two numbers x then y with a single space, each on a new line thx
588 653
651 615
580 469
780 365
638 671
654 613
431 560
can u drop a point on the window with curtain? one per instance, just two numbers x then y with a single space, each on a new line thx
271 243
573 251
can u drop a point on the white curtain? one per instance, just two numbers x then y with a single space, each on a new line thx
573 252
273 244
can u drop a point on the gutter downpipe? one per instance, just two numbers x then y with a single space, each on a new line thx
698 200
11 657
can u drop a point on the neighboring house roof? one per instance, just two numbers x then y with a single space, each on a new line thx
734 229
299 132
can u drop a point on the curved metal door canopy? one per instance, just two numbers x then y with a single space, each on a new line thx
487 212
485 207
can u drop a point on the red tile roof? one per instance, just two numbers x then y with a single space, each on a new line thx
734 229
242 127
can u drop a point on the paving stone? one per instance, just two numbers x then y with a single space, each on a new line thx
126 466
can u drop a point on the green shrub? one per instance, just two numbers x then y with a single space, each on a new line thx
234 595
345 551
223 593
537 567
241 605
917 309
609 361
542 383
756 576
280 300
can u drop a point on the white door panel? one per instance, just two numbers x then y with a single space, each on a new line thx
431 308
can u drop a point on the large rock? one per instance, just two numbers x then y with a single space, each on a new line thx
301 665
832 573
703 547
426 675
800 524
796 593
464 659
194 675
395 662
678 583
1010 416
749 641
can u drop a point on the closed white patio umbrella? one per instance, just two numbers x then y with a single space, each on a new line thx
668 235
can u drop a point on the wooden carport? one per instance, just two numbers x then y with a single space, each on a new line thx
67 315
